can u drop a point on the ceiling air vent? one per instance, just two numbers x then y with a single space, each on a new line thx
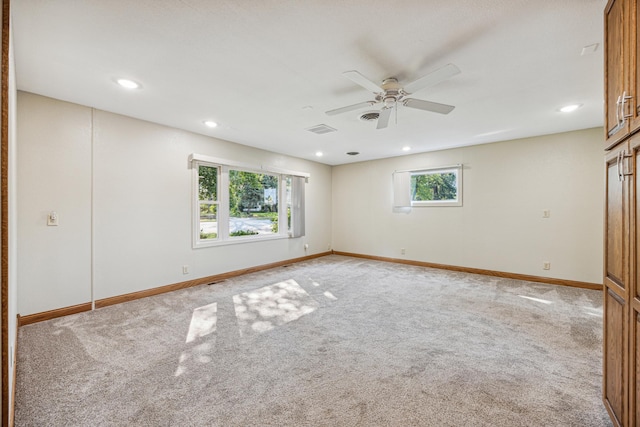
370 116
321 129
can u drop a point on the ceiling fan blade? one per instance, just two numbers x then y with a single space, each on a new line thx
432 78
349 108
383 118
361 80
428 106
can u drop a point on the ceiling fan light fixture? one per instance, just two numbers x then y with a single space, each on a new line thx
389 102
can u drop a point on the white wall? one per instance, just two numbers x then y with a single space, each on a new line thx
506 187
128 183
54 174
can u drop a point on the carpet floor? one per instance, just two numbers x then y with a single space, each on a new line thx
335 341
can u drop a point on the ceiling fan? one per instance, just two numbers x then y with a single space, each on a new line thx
390 94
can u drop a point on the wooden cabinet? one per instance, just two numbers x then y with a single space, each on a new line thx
621 334
622 74
616 285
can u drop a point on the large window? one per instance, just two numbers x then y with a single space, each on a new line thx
236 204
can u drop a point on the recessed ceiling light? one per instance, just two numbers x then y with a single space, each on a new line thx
128 84
406 148
210 123
570 108
319 154
353 153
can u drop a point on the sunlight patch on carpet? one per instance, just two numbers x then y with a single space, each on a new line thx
329 295
542 301
266 308
591 311
203 321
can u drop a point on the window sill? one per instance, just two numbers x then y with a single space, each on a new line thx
240 240
435 203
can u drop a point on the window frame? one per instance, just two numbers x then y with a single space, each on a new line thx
199 202
223 214
457 170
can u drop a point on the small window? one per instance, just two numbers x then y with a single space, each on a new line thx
437 187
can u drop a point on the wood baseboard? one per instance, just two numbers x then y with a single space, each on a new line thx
105 302
52 314
201 281
118 299
526 277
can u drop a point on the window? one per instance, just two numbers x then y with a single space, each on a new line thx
428 187
436 187
253 203
237 203
208 201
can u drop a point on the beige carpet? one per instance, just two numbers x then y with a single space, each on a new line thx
335 341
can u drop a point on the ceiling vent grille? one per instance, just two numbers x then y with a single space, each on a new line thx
321 129
370 116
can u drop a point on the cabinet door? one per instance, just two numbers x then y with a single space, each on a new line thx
616 252
634 301
616 287
616 63
632 107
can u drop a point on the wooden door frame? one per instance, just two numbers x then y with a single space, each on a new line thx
4 210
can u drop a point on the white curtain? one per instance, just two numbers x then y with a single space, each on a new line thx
297 206
401 189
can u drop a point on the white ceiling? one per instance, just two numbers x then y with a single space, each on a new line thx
253 65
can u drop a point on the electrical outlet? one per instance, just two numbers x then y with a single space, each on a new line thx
306 246
185 269
546 213
546 265
402 251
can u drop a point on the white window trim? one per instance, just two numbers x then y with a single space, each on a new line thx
224 166
217 161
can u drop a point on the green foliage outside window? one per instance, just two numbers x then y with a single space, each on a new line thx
247 193
208 188
434 186
251 196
